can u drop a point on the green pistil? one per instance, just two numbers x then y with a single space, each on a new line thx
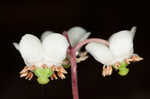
123 70
43 75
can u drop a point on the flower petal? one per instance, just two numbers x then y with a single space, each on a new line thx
55 49
100 52
121 44
16 45
132 31
45 34
86 35
77 34
31 50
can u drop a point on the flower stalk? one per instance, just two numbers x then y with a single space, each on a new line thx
71 53
74 75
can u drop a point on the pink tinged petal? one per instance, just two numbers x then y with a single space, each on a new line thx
77 34
121 44
100 52
31 50
55 49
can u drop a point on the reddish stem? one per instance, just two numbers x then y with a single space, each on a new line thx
89 41
73 68
74 75
71 52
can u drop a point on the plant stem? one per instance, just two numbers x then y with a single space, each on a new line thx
74 75
71 52
73 62
97 40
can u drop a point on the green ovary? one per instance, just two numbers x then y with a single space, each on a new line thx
123 64
43 75
43 80
123 70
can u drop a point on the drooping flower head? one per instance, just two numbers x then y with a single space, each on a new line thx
43 57
118 54
76 35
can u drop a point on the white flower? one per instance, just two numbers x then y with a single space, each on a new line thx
120 49
77 34
50 51
43 57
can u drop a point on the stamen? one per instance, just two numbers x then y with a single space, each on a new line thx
83 53
54 68
54 76
26 72
60 72
107 71
83 57
25 69
136 58
32 68
44 66
29 76
61 75
23 74
127 61
116 65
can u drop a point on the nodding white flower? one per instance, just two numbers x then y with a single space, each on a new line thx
77 34
120 49
50 52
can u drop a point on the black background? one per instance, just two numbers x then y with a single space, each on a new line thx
18 18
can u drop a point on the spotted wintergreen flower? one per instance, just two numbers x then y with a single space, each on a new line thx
43 57
118 54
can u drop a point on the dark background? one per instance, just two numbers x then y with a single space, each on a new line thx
18 18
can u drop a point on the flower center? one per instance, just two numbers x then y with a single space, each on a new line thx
43 73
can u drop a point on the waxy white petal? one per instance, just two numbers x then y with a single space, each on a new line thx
16 45
30 49
121 44
100 52
77 34
55 48
86 35
133 30
45 34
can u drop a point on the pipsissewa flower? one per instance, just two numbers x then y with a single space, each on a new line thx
118 54
76 35
43 58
